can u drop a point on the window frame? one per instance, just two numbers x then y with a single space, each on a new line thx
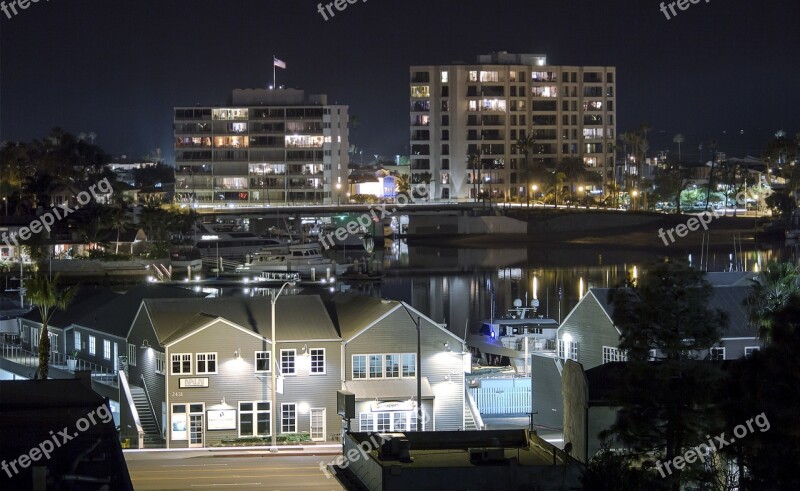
285 405
254 412
713 357
161 360
752 350
363 366
131 355
76 341
180 364
312 353
209 357
268 360
107 349
284 371
92 345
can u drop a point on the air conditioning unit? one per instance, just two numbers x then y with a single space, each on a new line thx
395 446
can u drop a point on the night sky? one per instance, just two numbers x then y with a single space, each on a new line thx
117 67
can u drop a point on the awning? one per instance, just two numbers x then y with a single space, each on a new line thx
388 389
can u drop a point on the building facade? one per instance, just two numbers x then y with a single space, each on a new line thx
462 114
268 147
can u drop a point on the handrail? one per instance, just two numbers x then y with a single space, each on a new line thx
20 356
150 402
473 409
123 383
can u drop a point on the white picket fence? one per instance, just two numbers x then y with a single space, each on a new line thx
502 400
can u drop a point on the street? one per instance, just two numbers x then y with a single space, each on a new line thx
168 470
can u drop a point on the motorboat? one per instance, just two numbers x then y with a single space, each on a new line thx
306 259
515 335
233 245
186 258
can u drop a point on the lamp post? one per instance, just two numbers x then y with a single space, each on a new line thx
534 188
5 205
338 194
634 194
273 370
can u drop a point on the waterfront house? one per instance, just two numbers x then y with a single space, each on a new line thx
205 366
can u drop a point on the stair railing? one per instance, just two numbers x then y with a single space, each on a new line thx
150 402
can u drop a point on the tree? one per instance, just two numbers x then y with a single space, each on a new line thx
763 387
666 311
402 183
770 292
120 220
525 145
47 297
671 181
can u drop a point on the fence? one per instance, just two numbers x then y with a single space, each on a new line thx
502 400
16 354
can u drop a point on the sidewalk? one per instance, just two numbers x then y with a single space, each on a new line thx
261 451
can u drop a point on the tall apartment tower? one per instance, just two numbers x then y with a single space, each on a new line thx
483 110
269 147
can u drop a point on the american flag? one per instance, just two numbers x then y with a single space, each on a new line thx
278 63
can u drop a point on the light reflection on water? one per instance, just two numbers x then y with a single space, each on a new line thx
454 286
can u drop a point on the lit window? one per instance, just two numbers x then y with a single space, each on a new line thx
106 349
613 354
490 77
77 341
445 77
92 345
420 91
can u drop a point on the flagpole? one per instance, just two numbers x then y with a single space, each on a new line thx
274 82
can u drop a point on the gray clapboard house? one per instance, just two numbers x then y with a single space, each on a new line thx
379 339
588 336
206 367
30 325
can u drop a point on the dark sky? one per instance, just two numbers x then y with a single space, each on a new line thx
117 67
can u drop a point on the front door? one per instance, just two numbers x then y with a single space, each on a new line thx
196 430
317 425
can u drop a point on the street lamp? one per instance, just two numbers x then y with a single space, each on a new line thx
274 403
338 194
5 205
634 194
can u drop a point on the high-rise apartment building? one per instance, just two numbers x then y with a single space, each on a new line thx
463 113
269 147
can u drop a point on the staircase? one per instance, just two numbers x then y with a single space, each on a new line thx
469 421
152 438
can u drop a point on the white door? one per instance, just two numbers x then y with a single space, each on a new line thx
196 430
317 424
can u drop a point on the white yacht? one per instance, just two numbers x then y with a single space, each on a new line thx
299 258
233 245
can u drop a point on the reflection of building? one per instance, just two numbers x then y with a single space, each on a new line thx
270 147
460 110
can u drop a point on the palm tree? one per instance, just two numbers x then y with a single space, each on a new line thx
119 220
769 293
402 183
44 294
525 145
559 178
473 162
679 138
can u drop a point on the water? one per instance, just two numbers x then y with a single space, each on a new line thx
456 286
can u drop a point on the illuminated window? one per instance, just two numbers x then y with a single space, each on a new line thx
611 354
490 77
545 91
420 91
473 76
445 77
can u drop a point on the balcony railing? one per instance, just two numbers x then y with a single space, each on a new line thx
15 353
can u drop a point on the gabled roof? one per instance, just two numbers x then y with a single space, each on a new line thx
352 314
115 317
726 298
86 300
298 317
730 278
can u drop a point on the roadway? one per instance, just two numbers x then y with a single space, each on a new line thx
168 470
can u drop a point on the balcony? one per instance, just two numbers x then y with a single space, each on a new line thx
25 360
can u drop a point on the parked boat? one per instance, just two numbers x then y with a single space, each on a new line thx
233 245
306 259
183 258
515 335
